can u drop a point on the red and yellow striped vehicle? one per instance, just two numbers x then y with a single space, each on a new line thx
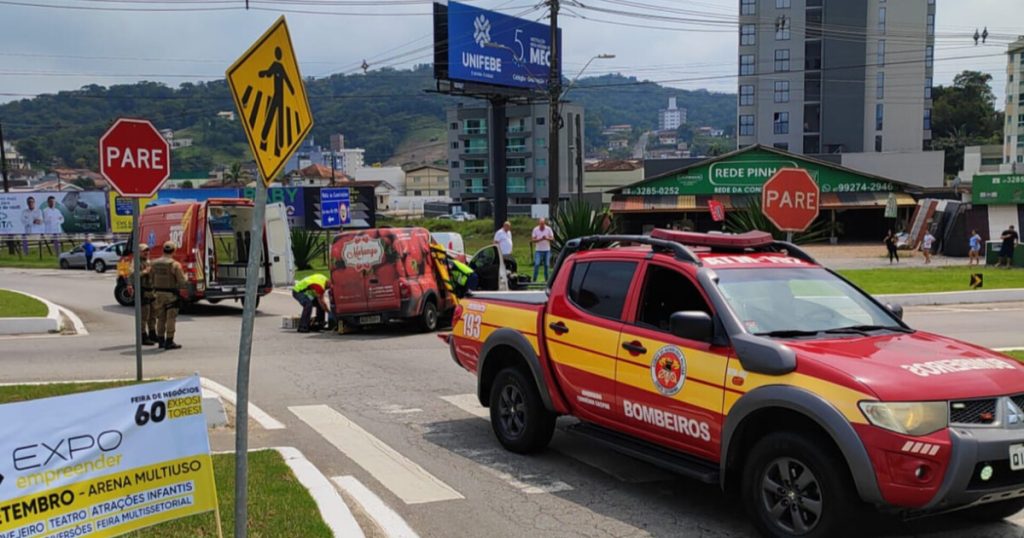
739 360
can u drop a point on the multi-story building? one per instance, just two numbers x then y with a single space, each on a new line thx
1013 148
15 160
671 118
343 160
836 76
426 180
526 152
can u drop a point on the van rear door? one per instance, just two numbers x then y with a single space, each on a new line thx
353 254
279 243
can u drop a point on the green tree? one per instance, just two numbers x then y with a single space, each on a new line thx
963 115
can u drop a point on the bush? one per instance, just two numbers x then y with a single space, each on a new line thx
577 218
307 246
752 218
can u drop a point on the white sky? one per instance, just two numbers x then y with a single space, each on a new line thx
45 50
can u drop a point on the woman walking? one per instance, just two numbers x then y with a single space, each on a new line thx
890 246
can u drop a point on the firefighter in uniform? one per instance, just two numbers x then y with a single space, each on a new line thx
168 279
463 277
148 311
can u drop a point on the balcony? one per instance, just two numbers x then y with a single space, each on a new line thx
473 152
474 171
516 169
515 149
517 129
475 189
516 185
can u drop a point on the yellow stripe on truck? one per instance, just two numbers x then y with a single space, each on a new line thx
493 316
842 398
692 393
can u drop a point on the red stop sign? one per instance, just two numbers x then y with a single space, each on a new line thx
791 199
134 158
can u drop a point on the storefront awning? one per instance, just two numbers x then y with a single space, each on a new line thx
672 204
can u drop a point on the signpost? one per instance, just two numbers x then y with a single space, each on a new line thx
791 200
271 99
136 160
335 207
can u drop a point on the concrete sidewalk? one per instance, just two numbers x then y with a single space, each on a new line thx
954 297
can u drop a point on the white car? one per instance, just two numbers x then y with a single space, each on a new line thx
104 257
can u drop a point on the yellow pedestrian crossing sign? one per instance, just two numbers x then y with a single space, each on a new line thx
271 99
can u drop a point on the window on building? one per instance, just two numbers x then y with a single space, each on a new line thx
541 163
880 85
1020 118
781 60
455 125
782 27
541 120
878 143
748 7
881 20
417 193
600 287
929 56
541 143
784 146
746 64
931 24
748 32
781 91
927 119
442 192
747 125
928 87
746 95
780 123
455 164
880 60
879 116
783 4
455 145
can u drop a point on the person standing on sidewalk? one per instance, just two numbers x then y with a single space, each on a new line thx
974 254
541 238
890 247
89 250
503 238
168 280
1010 238
926 246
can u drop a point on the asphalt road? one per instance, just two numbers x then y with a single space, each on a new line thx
443 472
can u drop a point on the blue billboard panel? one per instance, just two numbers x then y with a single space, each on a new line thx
335 208
492 48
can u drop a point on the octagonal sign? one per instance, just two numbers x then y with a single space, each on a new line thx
791 199
134 158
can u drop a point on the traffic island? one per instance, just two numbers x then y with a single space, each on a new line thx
24 314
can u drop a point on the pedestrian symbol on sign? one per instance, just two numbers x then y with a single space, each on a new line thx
271 99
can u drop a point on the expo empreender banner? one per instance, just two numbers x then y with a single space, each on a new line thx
104 463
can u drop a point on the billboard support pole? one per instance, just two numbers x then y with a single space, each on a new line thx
137 283
499 174
252 279
554 115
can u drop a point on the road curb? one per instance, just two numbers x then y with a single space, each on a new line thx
41 325
954 297
333 509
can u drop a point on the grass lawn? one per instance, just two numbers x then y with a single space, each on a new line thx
278 504
16 305
32 260
931 279
1019 355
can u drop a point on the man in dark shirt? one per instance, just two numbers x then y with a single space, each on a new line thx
1010 238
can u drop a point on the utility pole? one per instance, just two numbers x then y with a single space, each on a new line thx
3 159
554 115
579 157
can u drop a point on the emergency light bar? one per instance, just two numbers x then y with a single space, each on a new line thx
751 239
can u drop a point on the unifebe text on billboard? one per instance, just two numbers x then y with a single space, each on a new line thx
104 463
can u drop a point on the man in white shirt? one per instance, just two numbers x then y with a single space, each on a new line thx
503 238
53 219
32 217
541 238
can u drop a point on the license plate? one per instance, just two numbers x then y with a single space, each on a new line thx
1016 457
372 320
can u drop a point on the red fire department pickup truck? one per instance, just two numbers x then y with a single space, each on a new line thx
738 360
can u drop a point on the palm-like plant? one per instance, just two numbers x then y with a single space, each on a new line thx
751 217
306 246
577 218
235 175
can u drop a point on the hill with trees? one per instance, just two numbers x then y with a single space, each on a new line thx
376 111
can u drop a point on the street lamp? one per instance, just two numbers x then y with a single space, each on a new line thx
585 66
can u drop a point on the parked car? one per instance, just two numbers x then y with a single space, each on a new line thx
104 257
738 360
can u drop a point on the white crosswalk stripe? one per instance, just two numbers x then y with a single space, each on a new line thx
403 477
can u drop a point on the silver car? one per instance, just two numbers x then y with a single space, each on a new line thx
104 257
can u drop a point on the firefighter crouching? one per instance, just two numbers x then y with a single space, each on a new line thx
168 280
149 337
464 279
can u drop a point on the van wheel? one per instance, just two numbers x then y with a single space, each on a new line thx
99 266
993 512
793 488
429 317
518 416
122 295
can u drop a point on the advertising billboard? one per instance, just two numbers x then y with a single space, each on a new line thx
998 189
488 47
53 213
121 207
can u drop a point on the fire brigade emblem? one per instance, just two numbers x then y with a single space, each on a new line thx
668 370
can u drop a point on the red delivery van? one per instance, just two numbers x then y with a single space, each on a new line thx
213 247
385 274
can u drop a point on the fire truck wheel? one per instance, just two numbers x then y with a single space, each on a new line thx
791 487
518 416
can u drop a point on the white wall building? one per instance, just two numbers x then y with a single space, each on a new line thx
671 118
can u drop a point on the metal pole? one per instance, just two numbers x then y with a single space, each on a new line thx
137 287
498 162
579 156
3 159
554 95
252 279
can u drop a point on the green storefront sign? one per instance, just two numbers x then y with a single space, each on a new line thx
998 189
746 172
